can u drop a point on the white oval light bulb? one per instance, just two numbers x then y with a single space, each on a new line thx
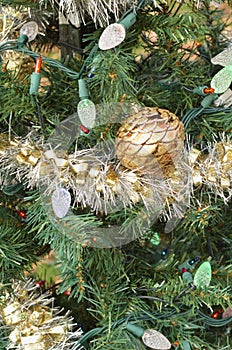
112 36
30 29
203 275
61 200
155 340
87 113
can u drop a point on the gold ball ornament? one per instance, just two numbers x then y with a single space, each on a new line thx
150 141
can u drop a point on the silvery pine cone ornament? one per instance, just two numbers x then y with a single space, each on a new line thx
150 141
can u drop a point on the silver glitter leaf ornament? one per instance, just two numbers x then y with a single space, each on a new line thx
222 80
225 99
155 340
203 275
224 58
61 200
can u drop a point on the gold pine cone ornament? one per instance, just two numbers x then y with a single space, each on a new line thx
150 141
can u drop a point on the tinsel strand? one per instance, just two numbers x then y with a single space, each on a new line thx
33 321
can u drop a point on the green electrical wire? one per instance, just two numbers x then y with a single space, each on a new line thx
195 112
214 322
54 63
190 115
146 316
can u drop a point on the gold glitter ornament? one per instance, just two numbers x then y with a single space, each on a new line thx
150 141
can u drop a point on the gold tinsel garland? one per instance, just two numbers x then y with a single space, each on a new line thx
213 167
34 323
100 11
97 179
101 182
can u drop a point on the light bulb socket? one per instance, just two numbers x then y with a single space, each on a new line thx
136 330
199 90
189 264
86 135
185 265
202 50
128 21
208 100
83 92
187 277
194 260
22 40
185 345
35 82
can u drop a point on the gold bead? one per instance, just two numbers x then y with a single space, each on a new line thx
197 177
193 155
34 157
12 313
111 177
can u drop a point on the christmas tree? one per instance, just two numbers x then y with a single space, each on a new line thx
116 175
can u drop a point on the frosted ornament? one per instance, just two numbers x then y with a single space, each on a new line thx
112 36
203 275
224 99
224 58
30 29
61 200
87 113
155 340
222 80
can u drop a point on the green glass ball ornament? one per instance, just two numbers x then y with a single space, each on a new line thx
203 275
